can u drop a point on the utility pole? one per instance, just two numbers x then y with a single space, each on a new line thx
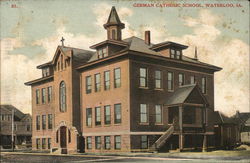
12 130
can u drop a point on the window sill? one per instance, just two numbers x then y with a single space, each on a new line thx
107 125
117 124
170 90
144 123
159 89
143 87
158 124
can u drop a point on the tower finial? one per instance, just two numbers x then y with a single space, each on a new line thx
195 54
62 40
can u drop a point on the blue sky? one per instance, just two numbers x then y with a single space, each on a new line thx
31 32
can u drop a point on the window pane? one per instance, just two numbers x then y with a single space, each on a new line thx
143 113
142 72
97 116
106 80
158 114
170 81
117 78
89 116
192 79
88 84
89 142
107 114
117 142
97 82
117 113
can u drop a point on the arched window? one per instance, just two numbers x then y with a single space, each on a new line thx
62 95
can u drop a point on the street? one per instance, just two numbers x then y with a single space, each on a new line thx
39 157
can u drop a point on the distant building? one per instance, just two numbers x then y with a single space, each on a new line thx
127 95
22 126
245 133
226 131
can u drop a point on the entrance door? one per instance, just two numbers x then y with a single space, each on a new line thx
63 141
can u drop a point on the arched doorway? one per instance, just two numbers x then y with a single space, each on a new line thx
63 137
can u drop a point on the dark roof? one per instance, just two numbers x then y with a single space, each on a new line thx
180 95
39 80
79 55
242 117
17 112
220 118
168 43
113 19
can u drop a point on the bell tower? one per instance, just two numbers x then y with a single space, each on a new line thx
114 26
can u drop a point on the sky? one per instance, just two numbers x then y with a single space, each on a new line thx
30 31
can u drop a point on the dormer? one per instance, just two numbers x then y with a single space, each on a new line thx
170 49
46 69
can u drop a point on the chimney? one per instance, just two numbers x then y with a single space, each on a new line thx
147 37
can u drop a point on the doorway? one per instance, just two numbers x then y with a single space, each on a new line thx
63 142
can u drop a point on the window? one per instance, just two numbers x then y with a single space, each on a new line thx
192 79
117 142
117 77
178 54
43 143
98 116
43 95
49 94
88 84
107 142
175 54
62 94
38 144
143 113
102 53
49 121
106 80
57 136
158 79
107 117
181 79
143 77
97 82
89 142
113 34
9 117
38 122
172 53
170 81
49 143
37 96
158 114
144 141
118 118
43 122
98 142
61 62
45 72
204 85
69 136
28 127
15 127
89 117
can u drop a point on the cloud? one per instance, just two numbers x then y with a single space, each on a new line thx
232 83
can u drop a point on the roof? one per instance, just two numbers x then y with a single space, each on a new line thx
220 118
79 55
168 43
39 80
113 19
182 93
17 112
242 117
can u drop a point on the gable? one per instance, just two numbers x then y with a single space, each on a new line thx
196 97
